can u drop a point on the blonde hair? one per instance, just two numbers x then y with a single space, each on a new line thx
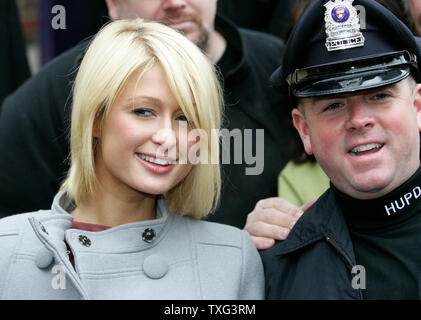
120 49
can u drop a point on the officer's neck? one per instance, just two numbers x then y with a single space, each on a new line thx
392 208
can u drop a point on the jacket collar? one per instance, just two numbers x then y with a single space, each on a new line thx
57 225
322 220
241 80
235 42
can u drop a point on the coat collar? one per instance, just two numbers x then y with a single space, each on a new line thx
54 231
235 45
56 226
322 220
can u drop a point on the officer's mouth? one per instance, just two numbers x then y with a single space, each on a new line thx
366 149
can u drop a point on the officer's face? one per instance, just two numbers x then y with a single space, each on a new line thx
195 18
366 142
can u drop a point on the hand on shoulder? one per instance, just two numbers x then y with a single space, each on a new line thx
273 219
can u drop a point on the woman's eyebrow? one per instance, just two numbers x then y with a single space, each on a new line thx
143 98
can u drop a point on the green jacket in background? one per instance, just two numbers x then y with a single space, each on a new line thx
300 183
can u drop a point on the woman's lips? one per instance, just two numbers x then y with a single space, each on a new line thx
156 165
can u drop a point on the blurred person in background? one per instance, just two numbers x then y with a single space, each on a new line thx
270 16
415 13
13 61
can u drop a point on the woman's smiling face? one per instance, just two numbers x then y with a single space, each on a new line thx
139 139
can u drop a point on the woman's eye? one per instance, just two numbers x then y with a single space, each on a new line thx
182 117
143 112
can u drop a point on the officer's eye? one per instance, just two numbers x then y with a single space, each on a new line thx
332 106
381 96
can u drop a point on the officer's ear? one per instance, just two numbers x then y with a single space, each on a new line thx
300 123
417 103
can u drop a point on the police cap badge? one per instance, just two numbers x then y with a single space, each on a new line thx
342 26
382 52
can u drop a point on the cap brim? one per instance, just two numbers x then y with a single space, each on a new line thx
351 83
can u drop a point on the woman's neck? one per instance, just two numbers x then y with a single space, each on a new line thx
111 209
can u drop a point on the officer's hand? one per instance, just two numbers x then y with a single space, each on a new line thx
272 219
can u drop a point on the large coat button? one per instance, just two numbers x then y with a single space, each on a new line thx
44 258
155 266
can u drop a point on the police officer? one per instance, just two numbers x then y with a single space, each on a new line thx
357 107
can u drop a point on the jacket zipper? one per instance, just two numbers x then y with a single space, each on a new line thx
345 257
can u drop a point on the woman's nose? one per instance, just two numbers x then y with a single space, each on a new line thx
165 137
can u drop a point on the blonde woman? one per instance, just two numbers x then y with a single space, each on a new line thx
126 222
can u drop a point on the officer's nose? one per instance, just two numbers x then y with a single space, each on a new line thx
359 117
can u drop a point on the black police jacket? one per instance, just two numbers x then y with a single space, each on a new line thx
317 258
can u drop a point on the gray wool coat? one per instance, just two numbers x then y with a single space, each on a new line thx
171 257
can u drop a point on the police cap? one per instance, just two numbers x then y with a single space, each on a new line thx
340 46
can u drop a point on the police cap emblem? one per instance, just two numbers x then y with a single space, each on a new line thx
342 26
340 14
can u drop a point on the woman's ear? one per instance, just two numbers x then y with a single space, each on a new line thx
300 123
97 129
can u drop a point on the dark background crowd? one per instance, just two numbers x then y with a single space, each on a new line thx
82 19
29 21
